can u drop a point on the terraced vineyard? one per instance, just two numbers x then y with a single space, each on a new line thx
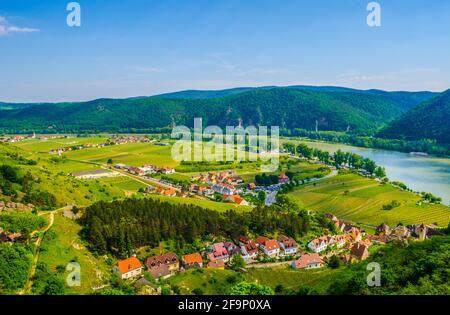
360 199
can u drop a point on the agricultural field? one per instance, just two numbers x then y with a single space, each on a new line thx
360 199
42 146
62 245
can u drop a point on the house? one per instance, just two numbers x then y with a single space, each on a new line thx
319 244
249 249
236 199
224 189
251 186
167 170
339 240
163 265
192 261
129 268
400 232
308 261
282 179
271 248
380 239
136 170
218 264
218 252
423 231
359 251
232 249
383 229
355 233
288 245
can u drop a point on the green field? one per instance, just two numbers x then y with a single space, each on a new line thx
36 145
360 199
62 245
214 282
205 203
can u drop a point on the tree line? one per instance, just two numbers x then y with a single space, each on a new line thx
339 159
120 227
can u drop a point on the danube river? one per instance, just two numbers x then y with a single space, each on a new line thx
428 174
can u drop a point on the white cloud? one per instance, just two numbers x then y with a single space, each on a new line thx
6 28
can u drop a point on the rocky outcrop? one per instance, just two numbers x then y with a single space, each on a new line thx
10 206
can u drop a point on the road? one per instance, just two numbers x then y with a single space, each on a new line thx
37 244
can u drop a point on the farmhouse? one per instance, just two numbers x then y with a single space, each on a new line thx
129 268
282 179
360 251
269 247
224 189
308 261
249 249
319 244
163 265
288 245
218 252
192 261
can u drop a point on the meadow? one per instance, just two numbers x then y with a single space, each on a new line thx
62 245
359 199
220 281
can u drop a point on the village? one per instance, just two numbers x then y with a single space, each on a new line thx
350 245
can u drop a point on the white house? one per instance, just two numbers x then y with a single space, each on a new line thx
319 244
288 245
129 268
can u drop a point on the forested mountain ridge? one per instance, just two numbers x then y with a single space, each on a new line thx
406 100
426 121
285 107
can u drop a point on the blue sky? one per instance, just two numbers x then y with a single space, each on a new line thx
145 47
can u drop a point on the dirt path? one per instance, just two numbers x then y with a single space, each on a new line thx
26 289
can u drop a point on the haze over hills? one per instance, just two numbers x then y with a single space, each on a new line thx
429 120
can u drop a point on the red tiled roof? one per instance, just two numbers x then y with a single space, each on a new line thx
308 259
129 264
192 258
261 240
271 244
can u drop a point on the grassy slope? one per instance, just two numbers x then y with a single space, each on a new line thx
66 246
289 278
364 200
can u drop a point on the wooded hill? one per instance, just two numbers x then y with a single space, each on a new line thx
430 120
333 108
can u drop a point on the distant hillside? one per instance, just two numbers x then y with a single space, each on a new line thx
285 107
430 120
406 100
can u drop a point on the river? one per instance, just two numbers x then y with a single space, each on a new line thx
430 174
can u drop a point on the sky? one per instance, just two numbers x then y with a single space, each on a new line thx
146 47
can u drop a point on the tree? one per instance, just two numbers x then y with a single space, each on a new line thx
380 172
237 262
245 288
334 262
110 161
